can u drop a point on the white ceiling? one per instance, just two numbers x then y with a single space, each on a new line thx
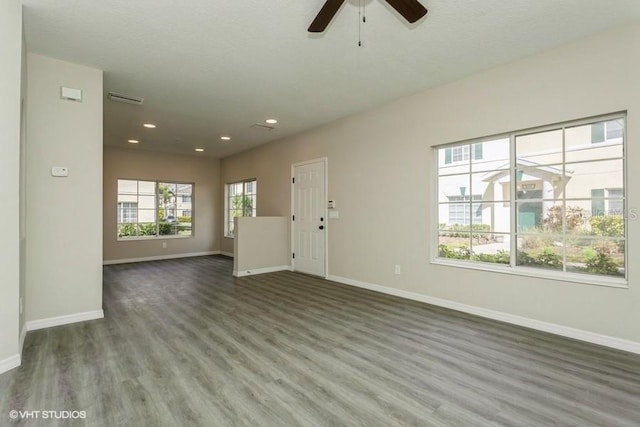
208 68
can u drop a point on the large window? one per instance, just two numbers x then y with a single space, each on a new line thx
240 200
148 209
546 201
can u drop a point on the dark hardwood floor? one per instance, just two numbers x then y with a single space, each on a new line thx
183 343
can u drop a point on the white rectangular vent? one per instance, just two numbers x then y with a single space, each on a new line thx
260 126
125 98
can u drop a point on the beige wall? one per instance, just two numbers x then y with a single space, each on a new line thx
138 164
379 174
10 72
261 244
64 215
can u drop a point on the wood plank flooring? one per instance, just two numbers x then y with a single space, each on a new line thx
183 343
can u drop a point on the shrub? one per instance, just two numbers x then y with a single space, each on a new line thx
182 219
546 258
164 228
573 218
602 263
127 230
462 252
148 229
537 242
460 230
501 257
607 225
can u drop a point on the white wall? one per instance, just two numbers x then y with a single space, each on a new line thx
23 193
380 174
10 72
64 215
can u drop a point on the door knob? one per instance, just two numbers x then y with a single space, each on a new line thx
321 227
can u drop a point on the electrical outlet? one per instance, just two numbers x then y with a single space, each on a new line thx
397 270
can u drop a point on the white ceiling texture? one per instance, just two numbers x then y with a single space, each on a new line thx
209 68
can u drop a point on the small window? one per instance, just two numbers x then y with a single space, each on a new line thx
462 153
607 201
608 131
460 213
127 212
240 200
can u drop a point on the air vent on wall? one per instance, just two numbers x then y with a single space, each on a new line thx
125 98
259 126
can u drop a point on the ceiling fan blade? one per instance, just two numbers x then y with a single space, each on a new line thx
325 16
411 10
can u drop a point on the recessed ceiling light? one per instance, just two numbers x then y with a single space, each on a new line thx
199 150
272 121
149 125
225 138
133 141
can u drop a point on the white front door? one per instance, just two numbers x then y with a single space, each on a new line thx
309 220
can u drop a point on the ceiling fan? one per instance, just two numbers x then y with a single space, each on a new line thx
411 10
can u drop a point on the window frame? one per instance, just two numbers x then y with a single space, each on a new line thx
512 268
158 221
227 220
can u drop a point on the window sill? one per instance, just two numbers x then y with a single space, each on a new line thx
586 279
143 238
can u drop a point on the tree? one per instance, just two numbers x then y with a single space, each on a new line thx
167 200
241 205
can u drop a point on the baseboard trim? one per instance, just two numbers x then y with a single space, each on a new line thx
255 271
229 254
9 363
565 331
160 257
34 325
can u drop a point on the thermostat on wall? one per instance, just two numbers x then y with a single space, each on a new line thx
60 171
71 94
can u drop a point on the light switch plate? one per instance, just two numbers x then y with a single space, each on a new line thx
60 171
334 214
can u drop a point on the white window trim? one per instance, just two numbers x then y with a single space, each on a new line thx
226 202
512 269
158 236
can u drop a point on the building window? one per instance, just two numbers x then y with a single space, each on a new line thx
460 209
127 212
240 200
538 205
607 201
186 199
148 209
461 153
607 131
186 214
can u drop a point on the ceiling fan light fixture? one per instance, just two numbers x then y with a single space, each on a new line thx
133 141
225 138
411 10
271 121
149 125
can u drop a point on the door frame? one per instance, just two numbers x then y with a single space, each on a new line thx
325 163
